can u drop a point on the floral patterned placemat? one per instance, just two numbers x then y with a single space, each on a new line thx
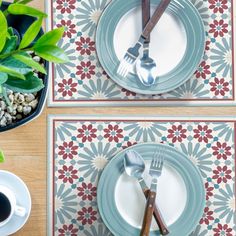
83 82
80 147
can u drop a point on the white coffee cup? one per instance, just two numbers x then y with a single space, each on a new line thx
15 209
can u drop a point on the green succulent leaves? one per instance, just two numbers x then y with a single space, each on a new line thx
11 72
3 30
51 53
31 33
22 1
10 44
2 158
50 38
46 47
31 84
3 78
21 9
22 64
30 62
17 67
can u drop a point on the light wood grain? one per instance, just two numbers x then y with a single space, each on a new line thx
26 151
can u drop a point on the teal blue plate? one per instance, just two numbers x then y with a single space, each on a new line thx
195 202
185 12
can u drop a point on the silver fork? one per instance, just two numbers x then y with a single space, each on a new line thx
155 172
133 52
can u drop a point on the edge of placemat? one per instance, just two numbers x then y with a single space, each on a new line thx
169 103
131 117
52 117
49 207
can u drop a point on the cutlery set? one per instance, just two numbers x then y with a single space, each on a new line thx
147 72
147 67
134 167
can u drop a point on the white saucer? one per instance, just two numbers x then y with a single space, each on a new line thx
23 199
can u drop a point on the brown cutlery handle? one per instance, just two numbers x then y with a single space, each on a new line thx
146 15
158 217
147 219
155 18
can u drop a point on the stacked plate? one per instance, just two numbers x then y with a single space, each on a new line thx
180 194
177 43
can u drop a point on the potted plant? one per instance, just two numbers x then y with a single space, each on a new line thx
25 51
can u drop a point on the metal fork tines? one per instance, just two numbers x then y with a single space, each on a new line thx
155 172
156 169
129 58
133 52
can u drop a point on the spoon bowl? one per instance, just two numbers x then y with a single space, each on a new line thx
134 167
134 164
146 70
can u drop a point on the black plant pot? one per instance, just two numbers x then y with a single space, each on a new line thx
20 24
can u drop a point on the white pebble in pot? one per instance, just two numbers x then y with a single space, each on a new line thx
36 58
26 110
34 103
2 105
1 114
21 105
29 97
3 121
8 117
19 108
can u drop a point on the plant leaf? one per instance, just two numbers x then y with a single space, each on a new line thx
11 42
0 3
3 30
10 45
8 35
51 53
3 78
10 30
21 9
30 62
11 72
2 157
5 96
16 65
31 33
31 84
51 37
25 1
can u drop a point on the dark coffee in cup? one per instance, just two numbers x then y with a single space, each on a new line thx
5 207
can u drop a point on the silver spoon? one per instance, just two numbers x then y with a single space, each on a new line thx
134 164
146 68
134 167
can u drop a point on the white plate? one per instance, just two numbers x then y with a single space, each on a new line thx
177 43
171 207
180 195
168 39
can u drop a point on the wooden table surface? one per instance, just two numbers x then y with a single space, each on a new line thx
26 149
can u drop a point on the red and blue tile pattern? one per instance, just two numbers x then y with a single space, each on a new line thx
81 147
82 81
